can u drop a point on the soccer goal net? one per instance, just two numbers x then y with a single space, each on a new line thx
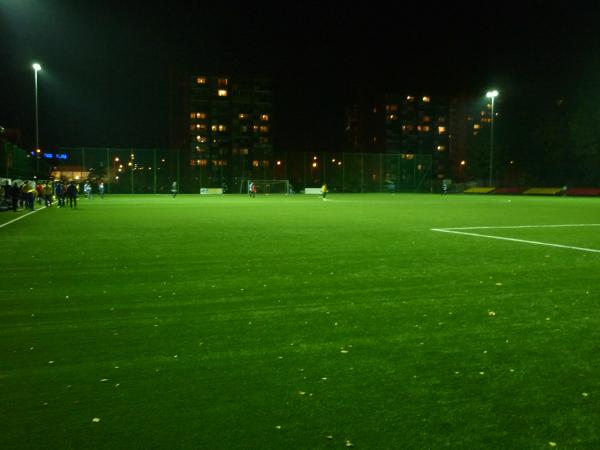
269 186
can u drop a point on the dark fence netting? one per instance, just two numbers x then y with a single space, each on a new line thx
153 171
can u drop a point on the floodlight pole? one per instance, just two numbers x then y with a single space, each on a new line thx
36 67
492 94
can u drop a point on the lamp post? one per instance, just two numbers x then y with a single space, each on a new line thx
492 94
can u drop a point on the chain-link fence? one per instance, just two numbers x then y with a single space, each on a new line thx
153 171
18 163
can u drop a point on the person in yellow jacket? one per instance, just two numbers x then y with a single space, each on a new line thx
324 191
48 193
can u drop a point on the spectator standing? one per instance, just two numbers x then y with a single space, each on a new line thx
15 194
174 188
39 192
101 189
72 194
59 189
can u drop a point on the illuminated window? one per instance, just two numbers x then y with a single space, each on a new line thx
426 119
265 163
255 128
243 151
441 130
425 128
192 115
263 140
392 117
201 126
200 115
202 162
213 128
410 98
242 116
222 128
222 92
374 110
222 82
426 99
200 80
441 148
264 117
476 126
201 139
255 163
264 129
391 108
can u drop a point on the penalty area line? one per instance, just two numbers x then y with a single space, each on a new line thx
523 241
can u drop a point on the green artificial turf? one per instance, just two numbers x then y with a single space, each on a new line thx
291 322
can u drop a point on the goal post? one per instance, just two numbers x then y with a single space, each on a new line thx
268 186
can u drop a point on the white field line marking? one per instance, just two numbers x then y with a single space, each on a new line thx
523 226
547 244
21 217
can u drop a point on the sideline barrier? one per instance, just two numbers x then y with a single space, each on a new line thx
208 191
509 191
589 192
313 191
543 191
479 190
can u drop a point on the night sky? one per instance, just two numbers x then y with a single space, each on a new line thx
106 64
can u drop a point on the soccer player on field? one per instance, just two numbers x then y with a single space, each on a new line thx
324 191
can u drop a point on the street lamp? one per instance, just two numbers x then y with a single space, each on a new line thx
36 68
492 94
